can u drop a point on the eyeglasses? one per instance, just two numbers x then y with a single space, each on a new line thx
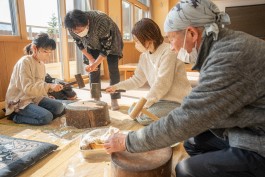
46 51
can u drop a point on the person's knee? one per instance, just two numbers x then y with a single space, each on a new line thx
45 118
181 170
189 146
59 109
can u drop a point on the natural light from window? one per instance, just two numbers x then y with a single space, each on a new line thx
8 18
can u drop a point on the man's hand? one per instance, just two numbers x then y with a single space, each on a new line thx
115 143
91 68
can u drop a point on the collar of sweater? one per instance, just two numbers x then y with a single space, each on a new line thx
158 52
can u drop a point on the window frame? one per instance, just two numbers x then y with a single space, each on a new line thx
135 4
23 35
21 24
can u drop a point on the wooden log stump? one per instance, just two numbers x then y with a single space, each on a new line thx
86 114
155 163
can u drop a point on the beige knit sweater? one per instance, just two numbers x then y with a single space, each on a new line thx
26 84
164 73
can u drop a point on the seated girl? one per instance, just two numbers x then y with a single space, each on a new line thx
26 98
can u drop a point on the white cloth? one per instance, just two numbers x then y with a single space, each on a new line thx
202 13
26 83
164 73
99 136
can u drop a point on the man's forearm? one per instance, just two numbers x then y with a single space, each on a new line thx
99 59
88 56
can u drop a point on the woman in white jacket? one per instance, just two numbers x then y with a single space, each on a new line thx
26 98
158 66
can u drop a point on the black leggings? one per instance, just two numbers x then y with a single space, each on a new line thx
213 157
113 61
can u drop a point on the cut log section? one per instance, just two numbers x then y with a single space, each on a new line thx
86 114
155 163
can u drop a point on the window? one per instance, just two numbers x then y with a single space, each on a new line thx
8 18
75 55
138 14
145 2
43 16
126 20
131 13
146 14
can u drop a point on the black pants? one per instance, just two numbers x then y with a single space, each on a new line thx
213 157
113 61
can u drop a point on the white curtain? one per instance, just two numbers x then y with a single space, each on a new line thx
150 9
91 4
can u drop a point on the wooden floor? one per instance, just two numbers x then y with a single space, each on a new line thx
67 160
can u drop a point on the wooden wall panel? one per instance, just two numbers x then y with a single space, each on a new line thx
2 71
115 12
130 54
10 53
14 51
159 11
172 3
102 5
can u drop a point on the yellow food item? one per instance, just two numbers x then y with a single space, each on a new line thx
96 146
96 138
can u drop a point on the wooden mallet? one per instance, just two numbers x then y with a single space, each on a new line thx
96 91
79 81
138 108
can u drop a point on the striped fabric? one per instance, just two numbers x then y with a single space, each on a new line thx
103 35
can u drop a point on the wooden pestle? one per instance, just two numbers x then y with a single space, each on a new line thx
139 108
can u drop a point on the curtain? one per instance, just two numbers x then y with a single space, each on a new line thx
91 4
150 8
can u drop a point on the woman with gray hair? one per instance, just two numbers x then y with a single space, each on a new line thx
222 119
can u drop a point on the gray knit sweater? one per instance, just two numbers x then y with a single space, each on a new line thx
103 35
229 99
